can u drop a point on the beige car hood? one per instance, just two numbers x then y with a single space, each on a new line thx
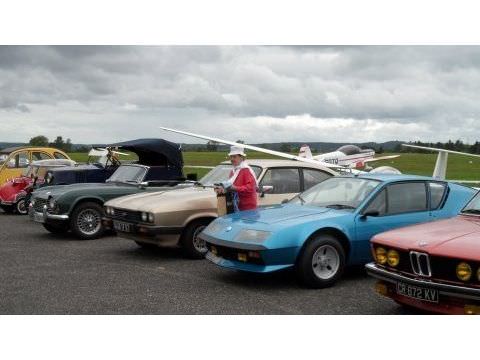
170 200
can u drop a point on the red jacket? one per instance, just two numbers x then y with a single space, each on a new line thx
246 187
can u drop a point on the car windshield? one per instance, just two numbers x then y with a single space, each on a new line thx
473 207
338 193
221 173
128 174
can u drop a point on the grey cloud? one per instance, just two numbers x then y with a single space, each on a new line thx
427 85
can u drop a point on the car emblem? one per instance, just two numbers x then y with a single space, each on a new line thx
229 228
422 243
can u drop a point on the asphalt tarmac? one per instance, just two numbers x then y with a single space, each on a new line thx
45 274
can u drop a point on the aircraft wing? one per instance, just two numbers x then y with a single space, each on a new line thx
387 157
440 170
256 148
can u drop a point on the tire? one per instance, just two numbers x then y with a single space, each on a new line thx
7 209
321 263
86 221
146 246
193 247
56 229
21 207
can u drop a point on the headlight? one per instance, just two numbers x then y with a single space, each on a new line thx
49 178
151 217
464 271
256 236
108 210
32 202
381 255
393 258
144 217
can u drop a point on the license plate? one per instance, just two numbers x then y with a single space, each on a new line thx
38 217
417 292
121 226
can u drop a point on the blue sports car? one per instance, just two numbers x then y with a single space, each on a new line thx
328 227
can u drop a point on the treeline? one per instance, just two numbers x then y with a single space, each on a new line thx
58 143
450 145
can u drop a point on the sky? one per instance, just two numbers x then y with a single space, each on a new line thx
101 94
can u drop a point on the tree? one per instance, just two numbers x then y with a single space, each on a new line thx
212 145
58 143
39 140
286 148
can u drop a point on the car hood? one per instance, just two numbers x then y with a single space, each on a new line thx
456 237
88 188
283 214
175 198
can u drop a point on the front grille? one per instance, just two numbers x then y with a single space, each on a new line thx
127 215
39 204
229 253
420 263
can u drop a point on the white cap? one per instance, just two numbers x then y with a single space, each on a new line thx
237 150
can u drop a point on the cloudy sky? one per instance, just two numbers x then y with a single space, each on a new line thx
259 94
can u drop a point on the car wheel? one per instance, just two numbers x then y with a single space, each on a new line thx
21 207
321 263
7 209
194 247
86 221
145 245
56 229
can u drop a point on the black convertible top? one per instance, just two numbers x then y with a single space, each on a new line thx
154 152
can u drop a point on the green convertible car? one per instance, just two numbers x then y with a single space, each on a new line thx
79 207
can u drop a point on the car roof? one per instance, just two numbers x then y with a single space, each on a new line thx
272 163
395 177
15 148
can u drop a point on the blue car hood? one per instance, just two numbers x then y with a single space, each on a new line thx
282 214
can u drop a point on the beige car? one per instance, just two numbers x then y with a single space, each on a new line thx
176 217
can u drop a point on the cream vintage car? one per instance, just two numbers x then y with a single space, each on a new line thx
176 217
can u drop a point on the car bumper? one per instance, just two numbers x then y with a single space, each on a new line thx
158 235
452 299
227 255
45 217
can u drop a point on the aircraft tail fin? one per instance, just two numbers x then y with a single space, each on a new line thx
305 152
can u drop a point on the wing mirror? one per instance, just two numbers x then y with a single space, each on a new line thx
265 189
371 213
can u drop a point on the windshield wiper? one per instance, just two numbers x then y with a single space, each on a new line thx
339 206
471 211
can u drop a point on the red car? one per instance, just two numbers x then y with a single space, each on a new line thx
14 192
433 266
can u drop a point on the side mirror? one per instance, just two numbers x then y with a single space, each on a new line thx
143 185
265 189
372 213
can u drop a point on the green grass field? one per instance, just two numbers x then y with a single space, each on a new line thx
459 167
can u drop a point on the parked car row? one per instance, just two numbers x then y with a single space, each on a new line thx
421 233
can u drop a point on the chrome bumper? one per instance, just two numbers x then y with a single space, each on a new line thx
443 289
45 216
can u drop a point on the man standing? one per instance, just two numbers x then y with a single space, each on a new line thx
242 182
